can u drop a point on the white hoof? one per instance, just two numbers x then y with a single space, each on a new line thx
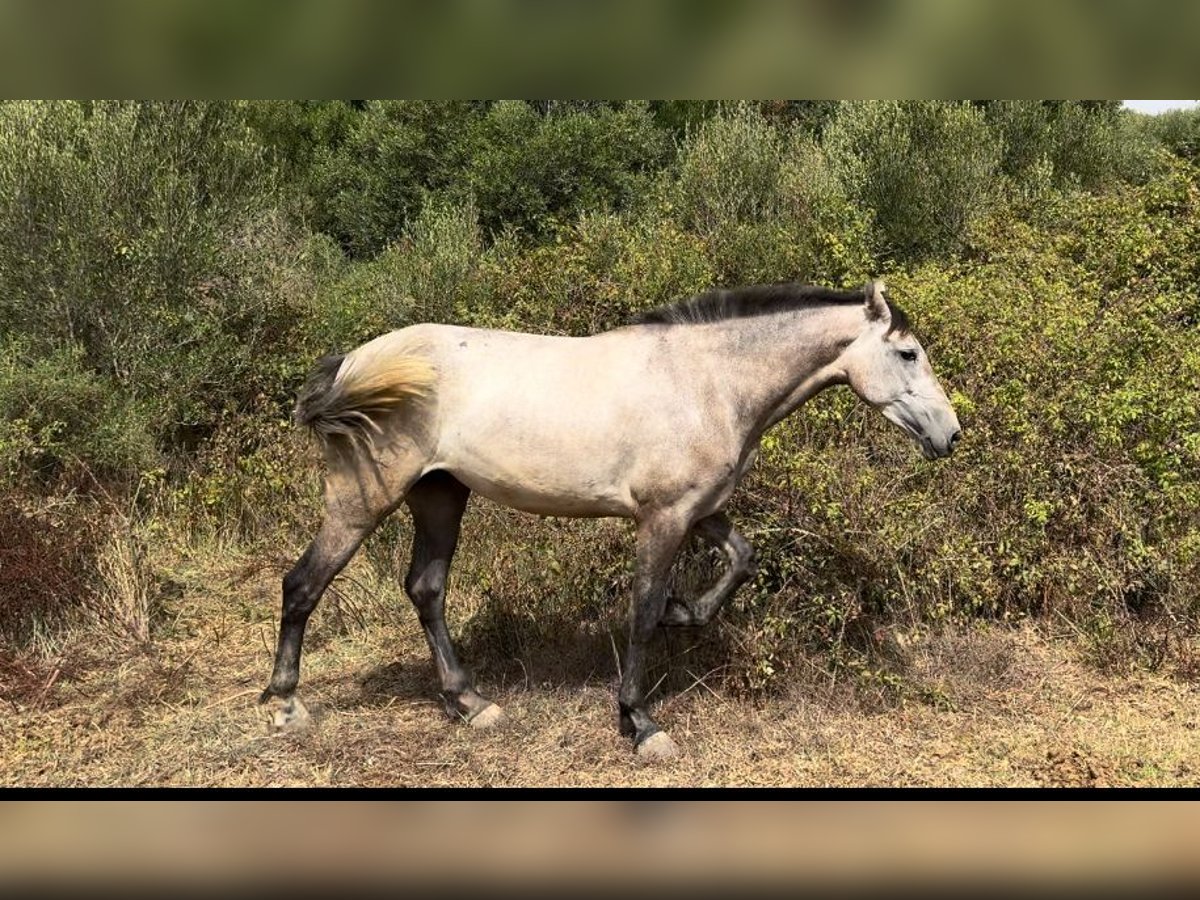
290 715
657 748
488 717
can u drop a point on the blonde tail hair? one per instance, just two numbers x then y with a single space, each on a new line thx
346 394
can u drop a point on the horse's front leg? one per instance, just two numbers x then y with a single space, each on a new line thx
718 531
658 540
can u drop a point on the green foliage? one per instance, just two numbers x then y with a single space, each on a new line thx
729 171
1080 144
531 171
369 184
293 131
431 273
56 415
1070 355
1177 130
595 275
136 239
525 168
924 168
767 202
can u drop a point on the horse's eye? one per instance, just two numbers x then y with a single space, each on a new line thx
908 355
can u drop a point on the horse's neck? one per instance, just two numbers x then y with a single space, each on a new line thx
777 362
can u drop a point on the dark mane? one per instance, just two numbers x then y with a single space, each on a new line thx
721 304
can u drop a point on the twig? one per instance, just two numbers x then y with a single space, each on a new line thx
231 697
523 669
650 693
616 656
49 684
700 682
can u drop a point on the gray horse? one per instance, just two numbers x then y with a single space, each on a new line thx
656 421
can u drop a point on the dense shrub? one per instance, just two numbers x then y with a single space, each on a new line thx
1070 358
1177 130
367 185
767 203
56 416
296 131
523 166
137 238
531 171
729 171
595 275
924 168
1081 145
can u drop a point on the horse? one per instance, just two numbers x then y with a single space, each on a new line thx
656 421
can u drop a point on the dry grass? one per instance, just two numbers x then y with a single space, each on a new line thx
985 706
125 587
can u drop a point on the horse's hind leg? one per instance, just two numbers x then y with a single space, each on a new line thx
303 586
718 531
437 503
358 496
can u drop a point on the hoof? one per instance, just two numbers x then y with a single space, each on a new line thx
489 717
289 715
657 748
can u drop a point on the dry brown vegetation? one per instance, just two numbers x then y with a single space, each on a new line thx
981 705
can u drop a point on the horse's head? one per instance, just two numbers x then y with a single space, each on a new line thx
887 367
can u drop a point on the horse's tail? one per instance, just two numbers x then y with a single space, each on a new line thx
345 394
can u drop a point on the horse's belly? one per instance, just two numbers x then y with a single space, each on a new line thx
545 498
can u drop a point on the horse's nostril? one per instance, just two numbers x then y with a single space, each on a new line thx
954 438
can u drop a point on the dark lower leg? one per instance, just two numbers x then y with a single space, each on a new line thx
437 503
718 531
303 586
657 545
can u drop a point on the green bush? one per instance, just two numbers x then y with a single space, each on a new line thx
1178 130
295 131
923 168
729 171
595 275
1070 357
531 171
142 235
369 184
767 203
524 168
56 416
1082 145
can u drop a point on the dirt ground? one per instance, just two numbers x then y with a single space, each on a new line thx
998 707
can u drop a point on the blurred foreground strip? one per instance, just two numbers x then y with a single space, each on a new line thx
522 843
460 48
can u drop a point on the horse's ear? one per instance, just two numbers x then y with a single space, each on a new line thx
877 307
